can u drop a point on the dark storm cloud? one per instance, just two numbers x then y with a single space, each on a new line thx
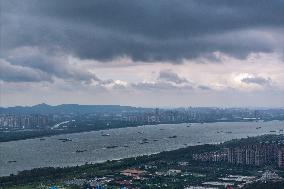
143 30
256 80
50 63
14 73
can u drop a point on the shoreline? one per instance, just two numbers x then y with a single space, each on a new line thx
123 159
21 165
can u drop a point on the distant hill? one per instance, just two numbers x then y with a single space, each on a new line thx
70 108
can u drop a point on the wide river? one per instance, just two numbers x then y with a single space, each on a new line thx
95 147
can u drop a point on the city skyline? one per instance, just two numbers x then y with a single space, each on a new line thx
142 53
169 107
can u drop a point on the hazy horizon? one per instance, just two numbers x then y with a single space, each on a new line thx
141 106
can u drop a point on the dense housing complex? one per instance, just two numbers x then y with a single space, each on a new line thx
251 155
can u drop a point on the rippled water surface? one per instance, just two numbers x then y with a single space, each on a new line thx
124 142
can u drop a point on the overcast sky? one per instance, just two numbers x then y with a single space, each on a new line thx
142 53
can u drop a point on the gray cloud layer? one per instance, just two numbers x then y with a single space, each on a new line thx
257 80
43 62
144 30
168 75
14 73
132 46
166 80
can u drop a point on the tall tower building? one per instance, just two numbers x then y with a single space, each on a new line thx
250 156
281 157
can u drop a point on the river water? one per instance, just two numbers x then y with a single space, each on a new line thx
95 146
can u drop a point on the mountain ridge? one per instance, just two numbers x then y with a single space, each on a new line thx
70 108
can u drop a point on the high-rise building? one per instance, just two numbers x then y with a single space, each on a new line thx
250 156
240 156
257 154
281 157
231 155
